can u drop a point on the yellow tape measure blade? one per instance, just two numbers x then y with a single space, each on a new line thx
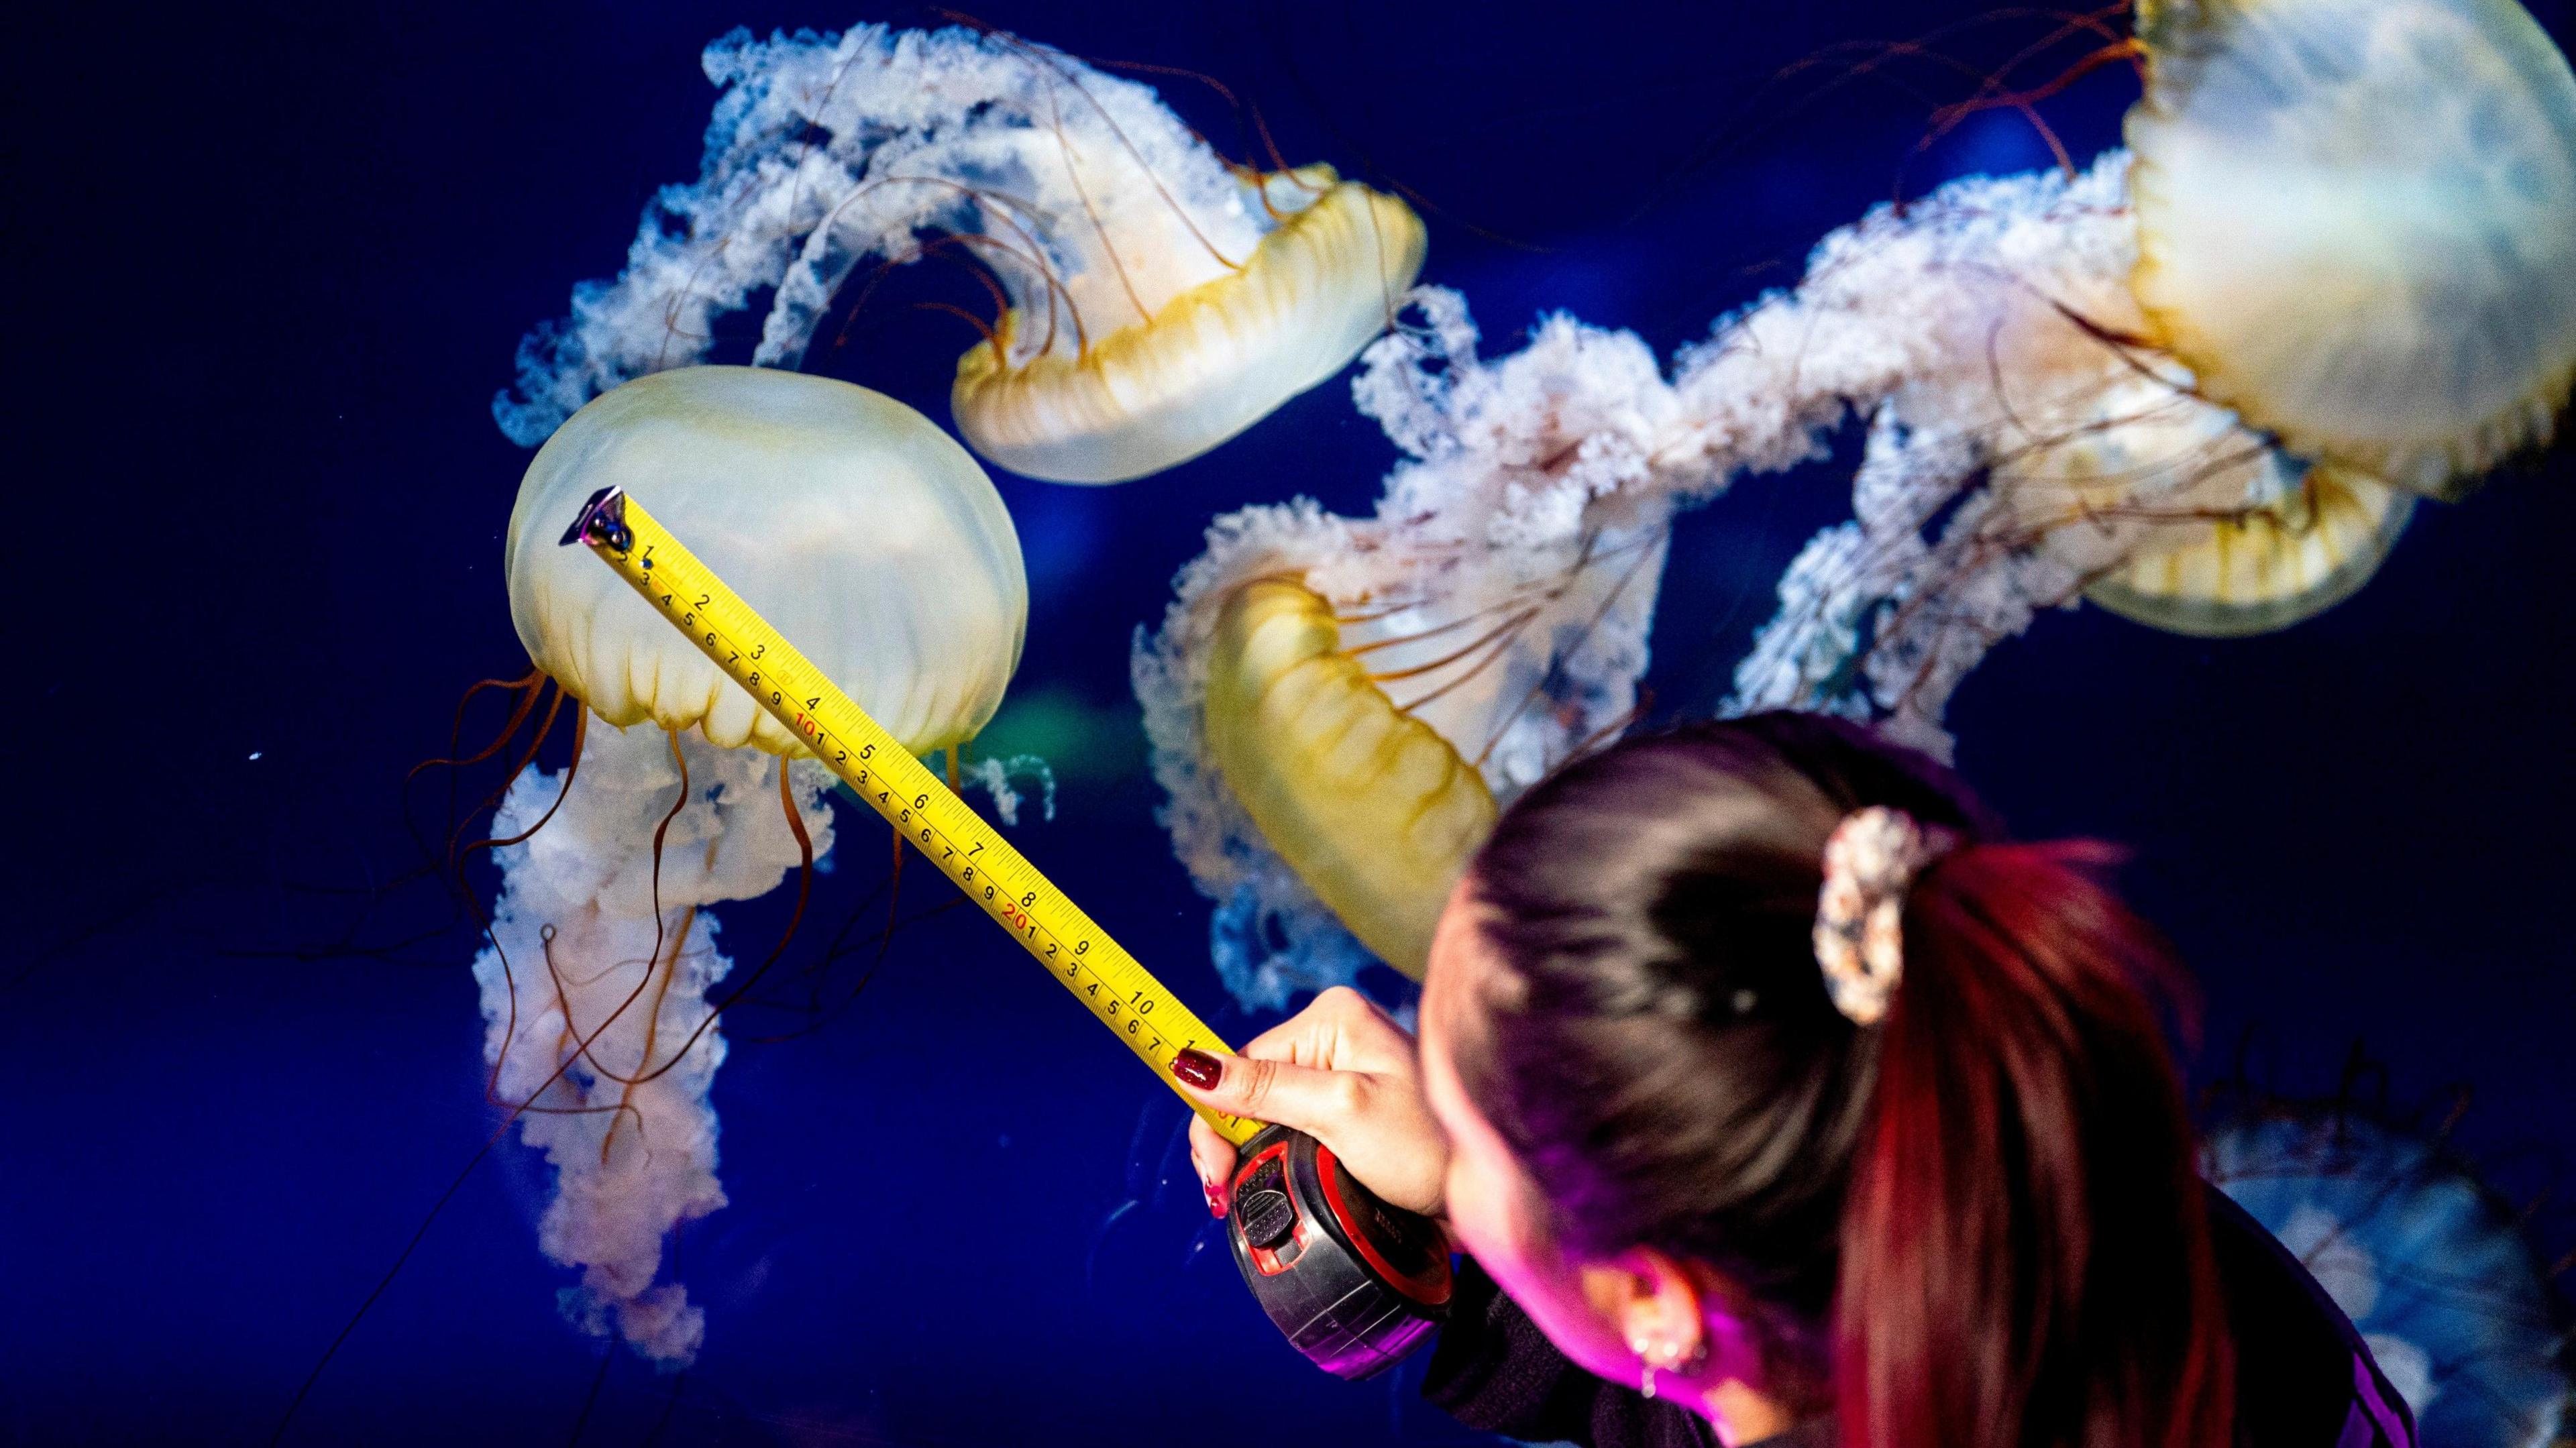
965 846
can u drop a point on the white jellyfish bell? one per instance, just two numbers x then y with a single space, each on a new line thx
853 525
2421 1256
2354 224
874 543
2202 385
1155 300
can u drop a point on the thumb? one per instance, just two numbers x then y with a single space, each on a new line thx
1303 1098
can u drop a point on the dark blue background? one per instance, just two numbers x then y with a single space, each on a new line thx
269 266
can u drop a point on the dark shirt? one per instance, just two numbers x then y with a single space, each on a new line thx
2303 1377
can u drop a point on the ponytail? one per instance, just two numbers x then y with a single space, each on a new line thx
1983 1207
2025 1251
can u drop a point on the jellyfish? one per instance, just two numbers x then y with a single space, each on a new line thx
2427 1262
2204 382
1154 299
2022 450
1338 706
875 543
2201 382
2353 223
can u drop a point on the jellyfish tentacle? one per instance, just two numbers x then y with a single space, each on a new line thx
644 1054
524 1107
525 688
1060 71
1003 208
483 922
1992 94
1483 643
580 731
1246 115
459 853
970 264
1240 296
646 1071
653 954
573 1047
1556 661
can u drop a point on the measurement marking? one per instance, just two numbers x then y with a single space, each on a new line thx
835 730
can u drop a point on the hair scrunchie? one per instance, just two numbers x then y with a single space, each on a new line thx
1871 859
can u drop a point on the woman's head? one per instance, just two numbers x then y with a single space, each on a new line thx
1665 1133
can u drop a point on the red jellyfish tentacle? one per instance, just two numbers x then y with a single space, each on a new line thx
652 1028
456 857
509 978
661 931
795 918
526 687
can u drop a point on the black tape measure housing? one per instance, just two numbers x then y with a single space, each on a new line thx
1355 1283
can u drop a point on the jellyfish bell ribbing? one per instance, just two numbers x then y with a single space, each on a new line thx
1369 805
1156 299
2071 388
2428 1261
2261 568
1339 706
863 533
2357 224
2178 516
2355 232
875 544
1206 364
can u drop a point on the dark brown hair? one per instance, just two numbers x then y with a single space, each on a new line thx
1986 1203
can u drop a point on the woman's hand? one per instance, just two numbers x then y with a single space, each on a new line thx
1341 1072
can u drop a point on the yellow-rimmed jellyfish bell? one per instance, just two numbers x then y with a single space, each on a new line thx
2175 514
2357 224
1367 803
1153 298
872 542
1191 362
2201 384
2178 518
2344 281
859 529
1339 706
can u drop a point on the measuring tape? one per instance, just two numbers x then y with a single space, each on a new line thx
1354 1282
923 809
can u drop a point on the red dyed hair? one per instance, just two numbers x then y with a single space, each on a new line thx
1986 1204
2024 1255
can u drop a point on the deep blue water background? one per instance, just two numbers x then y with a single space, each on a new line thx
269 267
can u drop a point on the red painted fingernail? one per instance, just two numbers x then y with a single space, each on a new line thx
1197 1068
1216 1199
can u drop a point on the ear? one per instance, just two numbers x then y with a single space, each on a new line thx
1653 1301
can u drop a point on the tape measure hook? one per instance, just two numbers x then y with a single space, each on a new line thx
602 520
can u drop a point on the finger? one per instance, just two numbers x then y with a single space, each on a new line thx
1212 1157
1302 1039
1320 1103
1339 1030
1363 1036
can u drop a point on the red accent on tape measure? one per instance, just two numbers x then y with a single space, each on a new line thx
1429 1287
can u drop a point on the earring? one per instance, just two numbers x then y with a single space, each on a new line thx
1673 1360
